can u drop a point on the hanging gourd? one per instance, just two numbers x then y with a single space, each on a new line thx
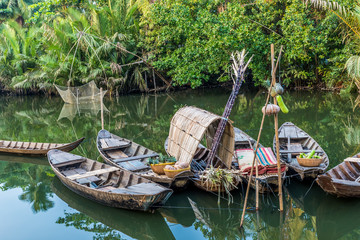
282 105
270 109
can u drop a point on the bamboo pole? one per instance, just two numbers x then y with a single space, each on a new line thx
277 135
102 108
257 142
257 184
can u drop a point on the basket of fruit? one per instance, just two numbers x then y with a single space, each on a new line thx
172 171
309 160
158 164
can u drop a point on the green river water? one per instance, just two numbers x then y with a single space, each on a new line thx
35 204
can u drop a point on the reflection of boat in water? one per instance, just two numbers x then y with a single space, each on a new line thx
182 213
306 196
137 225
24 159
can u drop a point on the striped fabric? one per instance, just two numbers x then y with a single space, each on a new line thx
266 156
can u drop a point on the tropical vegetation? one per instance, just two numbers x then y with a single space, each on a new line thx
140 45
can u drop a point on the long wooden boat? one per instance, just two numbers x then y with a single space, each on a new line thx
267 182
128 155
34 148
105 184
294 141
152 227
342 180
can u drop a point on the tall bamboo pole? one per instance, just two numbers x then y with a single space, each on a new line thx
277 135
102 108
258 139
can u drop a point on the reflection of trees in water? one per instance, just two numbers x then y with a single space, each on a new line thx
352 132
32 179
83 222
145 119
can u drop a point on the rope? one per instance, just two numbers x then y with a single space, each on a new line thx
309 188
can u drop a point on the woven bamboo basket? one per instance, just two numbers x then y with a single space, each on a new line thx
173 173
159 168
309 162
189 126
210 187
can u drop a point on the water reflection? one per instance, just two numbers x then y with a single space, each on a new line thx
309 214
102 220
32 179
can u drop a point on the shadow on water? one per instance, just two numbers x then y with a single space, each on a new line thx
102 220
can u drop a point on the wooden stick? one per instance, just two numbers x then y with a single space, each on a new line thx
102 108
277 136
257 143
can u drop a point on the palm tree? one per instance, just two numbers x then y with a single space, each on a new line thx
351 18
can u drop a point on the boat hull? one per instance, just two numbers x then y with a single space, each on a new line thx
42 150
128 199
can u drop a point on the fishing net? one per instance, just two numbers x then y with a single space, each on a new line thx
70 111
85 93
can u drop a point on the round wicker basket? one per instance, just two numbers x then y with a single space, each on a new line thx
309 162
173 173
214 187
159 168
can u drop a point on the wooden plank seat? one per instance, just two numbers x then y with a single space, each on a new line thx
134 158
352 159
133 165
138 189
112 144
93 173
302 151
75 171
61 160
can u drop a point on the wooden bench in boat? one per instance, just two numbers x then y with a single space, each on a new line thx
61 159
112 144
351 159
75 171
134 158
302 151
93 173
137 189
133 163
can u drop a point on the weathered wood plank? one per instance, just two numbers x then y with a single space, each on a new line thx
135 158
93 173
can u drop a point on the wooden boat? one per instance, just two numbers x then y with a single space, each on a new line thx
34 148
105 184
267 182
342 180
152 227
128 155
294 141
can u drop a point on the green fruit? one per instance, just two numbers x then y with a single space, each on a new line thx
311 154
281 104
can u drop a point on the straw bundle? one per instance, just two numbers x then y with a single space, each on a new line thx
188 127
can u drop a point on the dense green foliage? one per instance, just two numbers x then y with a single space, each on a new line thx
192 40
188 41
